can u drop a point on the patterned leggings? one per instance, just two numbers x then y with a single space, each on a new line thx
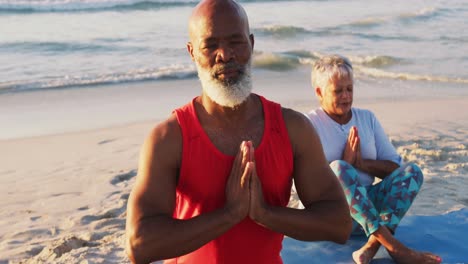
382 204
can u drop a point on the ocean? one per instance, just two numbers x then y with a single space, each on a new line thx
56 44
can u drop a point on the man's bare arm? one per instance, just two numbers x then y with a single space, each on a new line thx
326 213
152 232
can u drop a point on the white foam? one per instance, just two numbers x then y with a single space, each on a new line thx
378 73
169 72
424 12
75 5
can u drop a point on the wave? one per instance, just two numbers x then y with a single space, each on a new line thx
32 6
374 66
378 73
51 47
346 29
279 31
283 61
423 14
375 61
24 6
60 82
275 62
370 66
292 59
355 29
368 22
452 39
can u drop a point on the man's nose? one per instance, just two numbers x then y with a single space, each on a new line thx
225 53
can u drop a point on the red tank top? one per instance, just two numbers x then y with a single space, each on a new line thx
201 188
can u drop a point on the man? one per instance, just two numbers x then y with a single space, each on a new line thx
215 178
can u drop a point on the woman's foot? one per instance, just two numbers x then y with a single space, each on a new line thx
407 255
365 254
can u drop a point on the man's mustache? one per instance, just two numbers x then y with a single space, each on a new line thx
219 68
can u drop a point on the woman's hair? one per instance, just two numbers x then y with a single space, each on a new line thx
330 67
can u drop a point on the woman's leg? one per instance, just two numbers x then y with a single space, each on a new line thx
394 195
400 184
401 253
361 207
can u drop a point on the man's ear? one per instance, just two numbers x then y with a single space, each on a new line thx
190 50
252 40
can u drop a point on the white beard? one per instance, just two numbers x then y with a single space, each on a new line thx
226 94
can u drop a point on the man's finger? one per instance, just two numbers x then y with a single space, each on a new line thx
245 155
237 165
252 152
254 176
245 179
239 153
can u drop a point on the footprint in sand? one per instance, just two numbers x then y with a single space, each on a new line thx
62 246
125 196
24 236
34 218
106 141
123 177
34 250
113 213
83 208
105 224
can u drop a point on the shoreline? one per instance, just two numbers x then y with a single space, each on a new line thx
58 111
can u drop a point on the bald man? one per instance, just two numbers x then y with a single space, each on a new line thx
215 178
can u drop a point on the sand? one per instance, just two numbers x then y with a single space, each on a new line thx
64 187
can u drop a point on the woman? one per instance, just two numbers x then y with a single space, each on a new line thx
358 150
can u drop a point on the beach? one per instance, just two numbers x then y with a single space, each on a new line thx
82 83
64 194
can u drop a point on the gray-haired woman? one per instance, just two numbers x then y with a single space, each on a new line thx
358 150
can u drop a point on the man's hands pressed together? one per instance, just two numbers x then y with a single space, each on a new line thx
244 195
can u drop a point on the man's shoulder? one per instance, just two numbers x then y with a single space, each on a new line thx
297 124
289 115
165 132
294 116
300 129
170 129
163 144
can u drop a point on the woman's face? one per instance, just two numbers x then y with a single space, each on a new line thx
337 98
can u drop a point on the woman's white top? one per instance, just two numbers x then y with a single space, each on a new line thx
375 144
